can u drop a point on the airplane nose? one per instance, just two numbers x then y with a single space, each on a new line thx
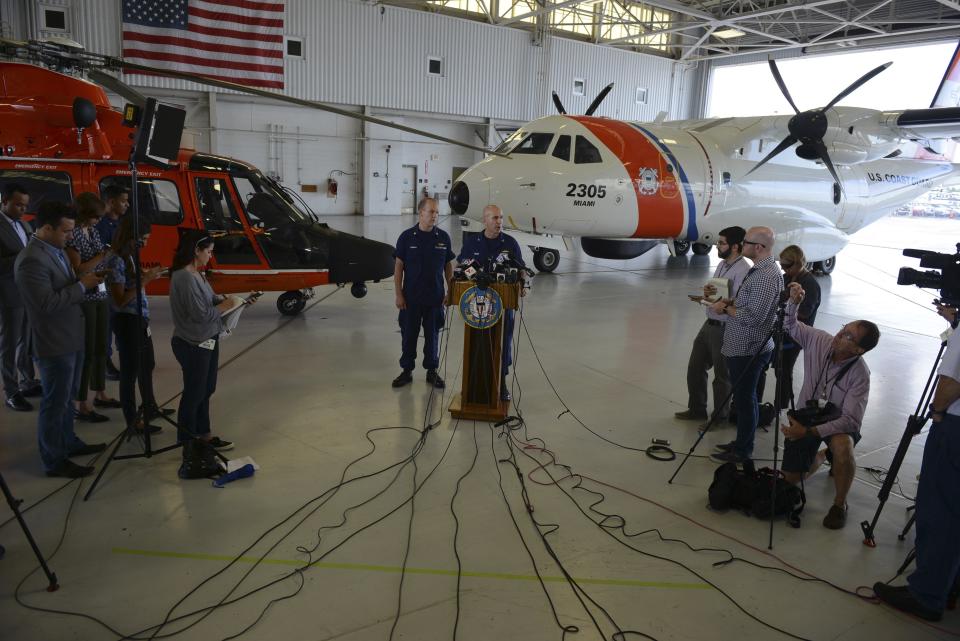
459 198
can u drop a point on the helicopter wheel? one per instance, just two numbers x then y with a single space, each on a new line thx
291 303
545 260
825 267
701 249
358 289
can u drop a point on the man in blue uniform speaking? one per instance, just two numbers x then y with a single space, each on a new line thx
423 265
483 248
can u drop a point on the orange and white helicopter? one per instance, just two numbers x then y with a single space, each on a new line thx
623 187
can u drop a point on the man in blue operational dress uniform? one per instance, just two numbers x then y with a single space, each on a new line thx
422 268
483 248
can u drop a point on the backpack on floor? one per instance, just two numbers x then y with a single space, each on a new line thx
732 486
789 500
199 461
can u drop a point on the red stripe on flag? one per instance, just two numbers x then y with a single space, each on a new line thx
201 62
249 4
201 44
223 16
231 33
252 82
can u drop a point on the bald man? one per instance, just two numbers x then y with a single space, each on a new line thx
747 344
482 248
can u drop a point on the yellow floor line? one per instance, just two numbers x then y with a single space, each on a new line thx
410 570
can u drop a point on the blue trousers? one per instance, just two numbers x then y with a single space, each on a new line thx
60 377
744 373
938 516
199 367
411 320
507 354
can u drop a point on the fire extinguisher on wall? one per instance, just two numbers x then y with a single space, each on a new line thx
332 187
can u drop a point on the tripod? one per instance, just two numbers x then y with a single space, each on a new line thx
915 423
14 504
776 333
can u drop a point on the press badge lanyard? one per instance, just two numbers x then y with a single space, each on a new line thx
724 267
832 382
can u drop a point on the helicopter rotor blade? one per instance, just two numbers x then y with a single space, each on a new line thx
117 86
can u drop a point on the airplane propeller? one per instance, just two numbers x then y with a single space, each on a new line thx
593 105
809 127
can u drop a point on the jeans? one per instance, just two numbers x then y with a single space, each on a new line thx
60 377
744 374
938 516
199 367
128 342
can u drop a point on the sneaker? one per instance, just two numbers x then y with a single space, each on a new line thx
405 378
901 599
836 518
218 443
690 415
112 373
434 379
726 447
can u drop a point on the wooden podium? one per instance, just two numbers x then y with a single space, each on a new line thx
479 397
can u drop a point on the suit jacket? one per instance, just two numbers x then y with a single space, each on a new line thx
10 246
52 299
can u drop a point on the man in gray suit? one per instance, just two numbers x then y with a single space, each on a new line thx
51 295
16 363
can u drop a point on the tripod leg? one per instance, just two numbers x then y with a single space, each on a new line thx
106 464
52 585
906 528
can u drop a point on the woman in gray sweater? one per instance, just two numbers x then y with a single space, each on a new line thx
197 324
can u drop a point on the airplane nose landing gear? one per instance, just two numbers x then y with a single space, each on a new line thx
545 260
359 290
292 303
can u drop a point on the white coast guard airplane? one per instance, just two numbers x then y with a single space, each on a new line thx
623 187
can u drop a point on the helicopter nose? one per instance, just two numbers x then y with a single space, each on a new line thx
459 198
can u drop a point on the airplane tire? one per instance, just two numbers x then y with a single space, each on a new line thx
546 260
701 249
681 247
359 290
291 303
825 267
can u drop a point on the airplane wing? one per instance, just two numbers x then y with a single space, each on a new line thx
925 124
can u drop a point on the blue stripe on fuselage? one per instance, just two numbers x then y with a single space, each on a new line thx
691 203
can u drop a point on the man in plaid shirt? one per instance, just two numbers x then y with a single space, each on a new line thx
747 344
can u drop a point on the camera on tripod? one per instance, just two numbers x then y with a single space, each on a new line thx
944 274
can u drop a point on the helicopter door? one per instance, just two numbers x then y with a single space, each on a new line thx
220 216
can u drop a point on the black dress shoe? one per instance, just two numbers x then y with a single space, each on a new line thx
404 378
69 469
901 599
18 403
434 379
32 391
89 417
112 373
106 402
84 450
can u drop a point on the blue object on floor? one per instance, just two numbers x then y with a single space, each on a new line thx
241 473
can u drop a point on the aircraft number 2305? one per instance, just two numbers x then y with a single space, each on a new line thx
586 191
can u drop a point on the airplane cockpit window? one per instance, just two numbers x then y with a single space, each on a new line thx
42 186
510 142
534 144
562 148
157 200
231 245
585 152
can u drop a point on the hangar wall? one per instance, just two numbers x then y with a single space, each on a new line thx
362 56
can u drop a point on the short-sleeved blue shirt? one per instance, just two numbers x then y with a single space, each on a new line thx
122 272
481 249
424 255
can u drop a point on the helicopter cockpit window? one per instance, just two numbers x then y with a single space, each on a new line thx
158 200
585 152
42 186
219 214
534 144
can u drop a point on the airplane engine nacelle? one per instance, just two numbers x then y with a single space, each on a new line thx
857 135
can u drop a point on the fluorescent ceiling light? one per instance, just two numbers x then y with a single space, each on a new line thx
728 33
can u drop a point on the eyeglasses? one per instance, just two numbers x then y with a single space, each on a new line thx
846 335
750 242
786 265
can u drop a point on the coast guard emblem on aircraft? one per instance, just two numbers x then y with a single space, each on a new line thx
481 308
648 182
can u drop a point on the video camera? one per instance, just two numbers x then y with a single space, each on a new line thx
815 413
944 274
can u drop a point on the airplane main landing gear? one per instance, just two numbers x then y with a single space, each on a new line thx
545 260
358 289
681 247
825 267
291 303
701 249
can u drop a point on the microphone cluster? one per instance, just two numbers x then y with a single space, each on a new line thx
499 269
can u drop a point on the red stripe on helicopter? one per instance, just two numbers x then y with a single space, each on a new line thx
659 205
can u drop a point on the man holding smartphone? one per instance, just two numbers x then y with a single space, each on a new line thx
706 346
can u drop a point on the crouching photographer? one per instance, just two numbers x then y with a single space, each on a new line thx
831 403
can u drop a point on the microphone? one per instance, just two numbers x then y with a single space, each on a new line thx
241 473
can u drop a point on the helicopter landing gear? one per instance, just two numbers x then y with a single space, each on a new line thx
291 303
545 260
358 289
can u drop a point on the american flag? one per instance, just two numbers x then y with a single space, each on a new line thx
236 40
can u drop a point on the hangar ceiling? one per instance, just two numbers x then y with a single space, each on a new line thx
695 30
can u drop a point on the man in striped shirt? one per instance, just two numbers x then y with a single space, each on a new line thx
747 344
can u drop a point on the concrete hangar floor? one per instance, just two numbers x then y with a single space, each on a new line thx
310 399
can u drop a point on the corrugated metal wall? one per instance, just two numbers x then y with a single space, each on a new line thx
357 53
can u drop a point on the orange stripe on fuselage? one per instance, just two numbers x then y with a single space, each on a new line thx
660 213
